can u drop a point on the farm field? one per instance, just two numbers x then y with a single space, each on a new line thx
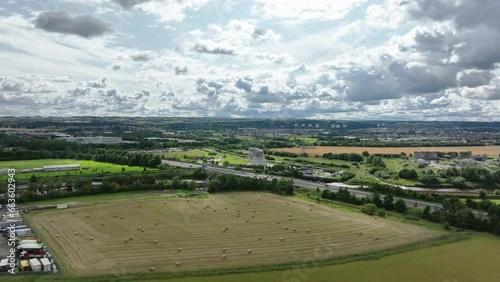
320 150
197 226
473 260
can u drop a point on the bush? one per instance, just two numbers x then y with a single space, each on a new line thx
381 212
447 226
497 193
369 209
408 173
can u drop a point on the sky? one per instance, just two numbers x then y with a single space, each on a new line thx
342 59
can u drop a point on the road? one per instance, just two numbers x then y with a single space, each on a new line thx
302 183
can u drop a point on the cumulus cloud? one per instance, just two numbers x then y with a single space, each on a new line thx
62 22
474 78
180 70
142 56
208 47
98 84
127 4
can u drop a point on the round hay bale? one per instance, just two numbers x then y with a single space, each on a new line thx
138 206
375 217
312 205
258 199
282 239
164 202
57 235
91 238
102 223
179 250
277 222
290 215
226 227
248 203
308 230
295 229
131 238
249 251
87 216
156 223
215 210
224 250
155 242
286 227
121 217
76 233
223 230
225 208
115 216
247 220
138 228
376 237
360 233
208 206
231 196
252 216
238 215
289 219
142 230
178 263
237 210
293 202
51 220
260 237
223 256
195 202
126 240
74 212
287 204
151 268
254 210
188 201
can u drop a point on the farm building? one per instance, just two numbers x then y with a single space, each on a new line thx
61 167
425 155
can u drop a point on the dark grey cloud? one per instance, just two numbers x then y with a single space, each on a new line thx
142 56
127 4
180 70
218 50
258 32
474 78
244 83
62 22
116 67
167 95
11 86
98 84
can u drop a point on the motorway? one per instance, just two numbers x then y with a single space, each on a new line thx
302 183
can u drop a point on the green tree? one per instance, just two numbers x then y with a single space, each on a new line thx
376 199
225 164
426 214
389 202
176 183
369 209
365 154
400 206
33 179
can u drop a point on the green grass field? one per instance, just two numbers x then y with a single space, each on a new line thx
473 260
191 155
94 167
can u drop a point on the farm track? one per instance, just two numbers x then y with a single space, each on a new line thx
199 232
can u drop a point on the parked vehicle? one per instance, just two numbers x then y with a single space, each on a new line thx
6 230
3 265
35 265
28 251
24 265
46 266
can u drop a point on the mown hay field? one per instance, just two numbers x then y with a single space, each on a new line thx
193 233
320 150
